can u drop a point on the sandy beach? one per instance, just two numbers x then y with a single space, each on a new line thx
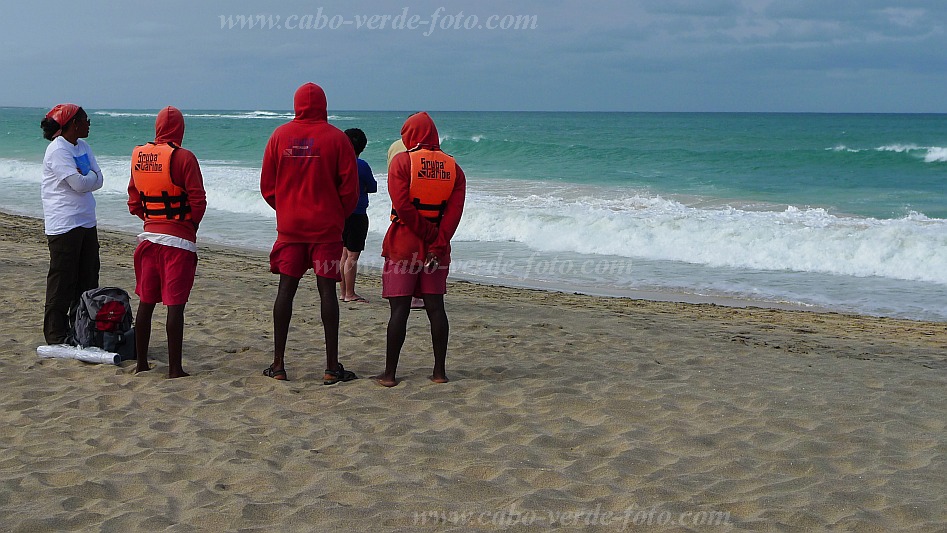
563 412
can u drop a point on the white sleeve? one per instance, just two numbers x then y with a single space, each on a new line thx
88 183
94 166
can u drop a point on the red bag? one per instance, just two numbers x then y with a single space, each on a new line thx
110 316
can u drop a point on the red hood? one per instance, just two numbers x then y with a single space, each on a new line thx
420 129
169 126
310 103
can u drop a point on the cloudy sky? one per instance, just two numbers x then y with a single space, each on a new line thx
624 55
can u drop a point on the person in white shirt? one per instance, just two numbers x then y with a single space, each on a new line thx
70 174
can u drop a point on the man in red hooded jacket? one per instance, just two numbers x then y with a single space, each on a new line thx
427 189
166 190
310 177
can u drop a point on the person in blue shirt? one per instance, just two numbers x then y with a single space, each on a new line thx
356 225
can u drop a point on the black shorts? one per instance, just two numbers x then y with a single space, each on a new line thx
355 232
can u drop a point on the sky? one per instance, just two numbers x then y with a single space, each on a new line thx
626 55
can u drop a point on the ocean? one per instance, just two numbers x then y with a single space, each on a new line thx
839 212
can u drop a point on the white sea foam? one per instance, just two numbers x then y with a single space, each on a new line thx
932 154
843 148
655 228
261 115
235 190
21 171
900 148
265 115
936 154
123 114
788 253
651 227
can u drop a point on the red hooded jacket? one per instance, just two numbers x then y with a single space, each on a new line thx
414 236
185 173
309 173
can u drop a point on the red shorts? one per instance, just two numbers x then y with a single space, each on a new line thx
399 279
164 273
295 258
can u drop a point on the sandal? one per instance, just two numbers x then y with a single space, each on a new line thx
334 376
279 375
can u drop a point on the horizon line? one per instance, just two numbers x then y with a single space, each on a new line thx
288 111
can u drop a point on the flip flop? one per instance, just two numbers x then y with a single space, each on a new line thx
334 376
358 300
279 375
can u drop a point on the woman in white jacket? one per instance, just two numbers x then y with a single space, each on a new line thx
70 174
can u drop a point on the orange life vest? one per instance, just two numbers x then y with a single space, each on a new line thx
151 171
433 174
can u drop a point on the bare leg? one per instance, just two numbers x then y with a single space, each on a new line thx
440 331
175 329
282 315
143 334
329 307
397 329
344 284
349 271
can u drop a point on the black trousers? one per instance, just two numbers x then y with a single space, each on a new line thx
73 269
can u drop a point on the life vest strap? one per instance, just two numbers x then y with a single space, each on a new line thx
435 220
174 206
440 208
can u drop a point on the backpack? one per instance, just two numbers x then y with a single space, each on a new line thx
103 318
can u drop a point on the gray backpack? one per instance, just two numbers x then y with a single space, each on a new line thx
103 318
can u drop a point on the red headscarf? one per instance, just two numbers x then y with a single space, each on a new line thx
62 114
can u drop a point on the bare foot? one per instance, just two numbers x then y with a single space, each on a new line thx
439 379
385 381
140 368
181 374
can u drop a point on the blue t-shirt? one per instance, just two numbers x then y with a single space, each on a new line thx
366 184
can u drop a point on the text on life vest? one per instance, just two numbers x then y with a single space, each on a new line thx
148 163
433 169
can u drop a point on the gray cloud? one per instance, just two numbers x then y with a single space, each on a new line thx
662 55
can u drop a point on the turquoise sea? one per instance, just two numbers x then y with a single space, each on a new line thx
846 212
